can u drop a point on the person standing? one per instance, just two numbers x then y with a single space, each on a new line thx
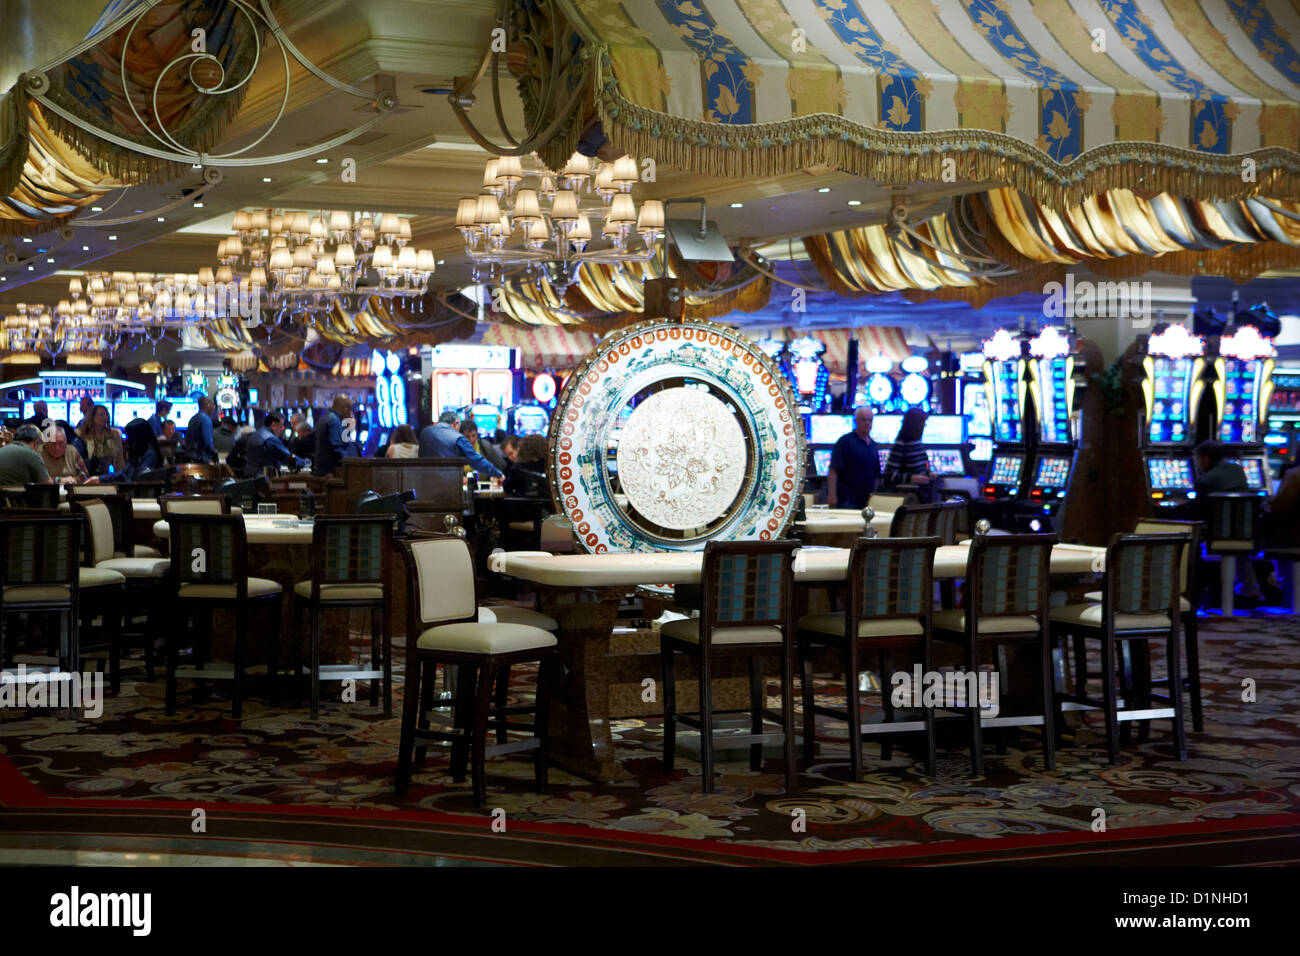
855 465
198 434
444 440
908 463
331 448
160 412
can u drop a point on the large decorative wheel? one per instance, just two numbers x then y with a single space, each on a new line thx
672 433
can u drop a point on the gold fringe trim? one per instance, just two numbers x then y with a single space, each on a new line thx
1239 263
890 157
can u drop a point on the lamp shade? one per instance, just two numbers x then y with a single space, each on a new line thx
581 229
565 207
466 213
625 172
652 216
383 258
622 209
527 206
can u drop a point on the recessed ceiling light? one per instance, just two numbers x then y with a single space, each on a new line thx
85 248
855 202
322 161
824 189
31 268
112 238
198 205
161 219
27 239
737 205
96 208
49 260
266 179
442 262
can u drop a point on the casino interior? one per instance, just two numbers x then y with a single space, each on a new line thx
566 432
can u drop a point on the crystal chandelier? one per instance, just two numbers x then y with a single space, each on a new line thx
301 261
505 227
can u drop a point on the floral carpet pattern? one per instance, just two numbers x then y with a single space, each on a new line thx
1245 764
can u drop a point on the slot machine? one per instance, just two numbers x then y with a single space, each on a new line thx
1005 388
1244 388
915 389
945 446
1282 437
389 408
809 374
880 390
823 432
973 405
1173 380
1051 382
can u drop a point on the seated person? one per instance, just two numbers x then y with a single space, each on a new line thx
104 453
142 451
304 440
527 479
20 460
264 449
469 428
403 443
61 460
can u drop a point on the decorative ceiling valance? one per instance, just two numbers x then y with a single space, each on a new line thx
1167 97
543 347
173 98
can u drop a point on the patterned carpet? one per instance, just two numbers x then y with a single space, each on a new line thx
1243 775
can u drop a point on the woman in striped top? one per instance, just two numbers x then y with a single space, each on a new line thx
908 462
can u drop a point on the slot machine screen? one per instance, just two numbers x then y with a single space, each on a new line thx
1006 470
1254 469
822 461
1052 472
531 421
945 461
982 449
1170 474
943 430
125 412
183 409
486 418
58 411
885 428
828 429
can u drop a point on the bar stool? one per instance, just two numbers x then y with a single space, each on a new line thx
142 580
1138 603
509 614
121 511
915 521
1230 534
748 611
891 600
1188 599
350 568
442 627
1006 602
193 505
209 570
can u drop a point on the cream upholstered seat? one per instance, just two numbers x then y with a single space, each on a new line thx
349 569
1094 597
509 614
154 568
257 587
1091 614
445 626
833 623
86 578
342 592
688 629
476 638
956 621
193 505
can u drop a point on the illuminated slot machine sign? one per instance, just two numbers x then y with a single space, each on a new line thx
881 388
1004 385
810 375
196 384
227 397
1244 367
390 389
72 387
1173 385
975 406
914 390
1051 372
470 374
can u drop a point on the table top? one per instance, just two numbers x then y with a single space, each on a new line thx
843 521
812 565
263 529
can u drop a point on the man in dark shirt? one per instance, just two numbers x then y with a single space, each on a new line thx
855 465
20 460
198 433
265 449
160 412
332 444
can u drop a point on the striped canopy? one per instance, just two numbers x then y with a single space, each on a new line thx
1061 98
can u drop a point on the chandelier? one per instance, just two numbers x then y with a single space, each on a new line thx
301 262
591 217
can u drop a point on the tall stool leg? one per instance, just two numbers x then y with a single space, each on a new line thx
853 705
756 711
241 645
375 651
809 704
273 650
410 708
706 723
482 707
502 698
1176 694
787 715
386 637
1049 701
542 718
1109 696
314 612
1194 666
466 684
977 731
1227 582
668 666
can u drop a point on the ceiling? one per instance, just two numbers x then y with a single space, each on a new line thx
417 161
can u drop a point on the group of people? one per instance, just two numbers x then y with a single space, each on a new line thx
855 473
520 462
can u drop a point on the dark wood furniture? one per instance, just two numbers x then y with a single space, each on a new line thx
891 601
437 482
748 611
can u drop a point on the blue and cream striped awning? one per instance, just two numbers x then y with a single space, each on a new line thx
1061 98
